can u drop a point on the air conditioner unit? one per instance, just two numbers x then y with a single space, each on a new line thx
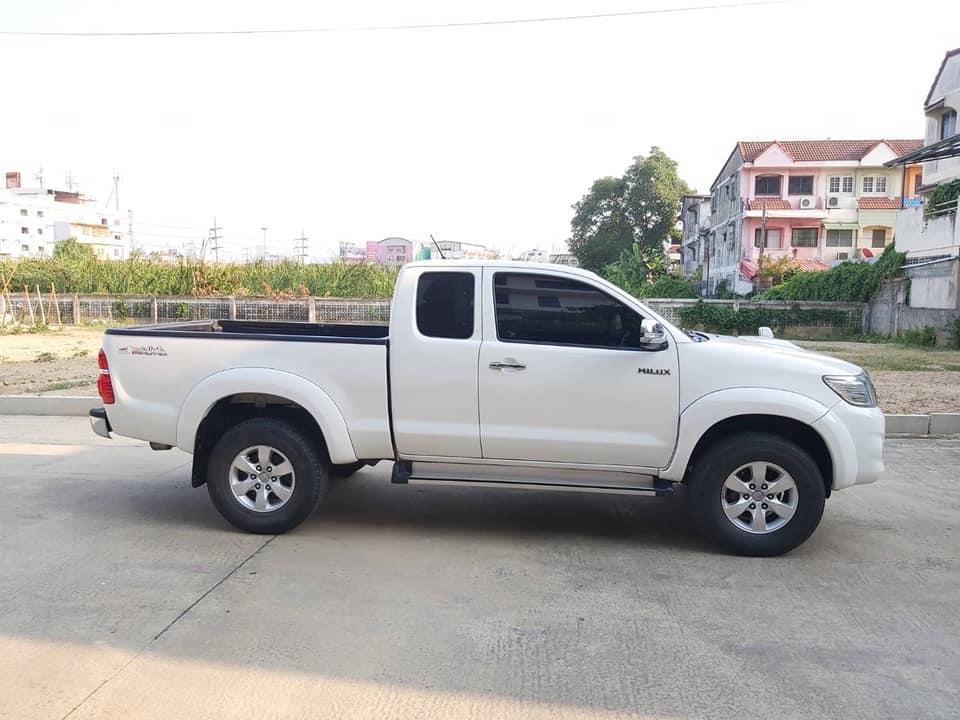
808 202
833 201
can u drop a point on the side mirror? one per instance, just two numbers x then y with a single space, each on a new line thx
652 335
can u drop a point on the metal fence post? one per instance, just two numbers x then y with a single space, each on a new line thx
76 308
311 310
154 311
232 314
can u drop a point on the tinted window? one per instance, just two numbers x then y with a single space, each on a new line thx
535 309
801 185
767 185
445 305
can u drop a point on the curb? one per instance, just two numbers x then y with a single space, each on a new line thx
47 405
934 424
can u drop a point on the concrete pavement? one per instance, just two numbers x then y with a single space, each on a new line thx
123 594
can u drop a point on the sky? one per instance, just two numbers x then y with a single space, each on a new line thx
484 134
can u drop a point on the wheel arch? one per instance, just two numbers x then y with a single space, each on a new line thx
224 399
803 435
737 410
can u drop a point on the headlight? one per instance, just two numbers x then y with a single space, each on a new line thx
855 389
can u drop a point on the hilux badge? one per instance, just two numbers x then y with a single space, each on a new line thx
654 371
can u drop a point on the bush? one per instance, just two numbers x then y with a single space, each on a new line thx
848 282
955 332
723 319
944 194
922 337
668 287
74 268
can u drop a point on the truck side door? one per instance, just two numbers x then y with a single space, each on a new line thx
563 378
435 335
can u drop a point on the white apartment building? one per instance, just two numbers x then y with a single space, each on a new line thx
34 219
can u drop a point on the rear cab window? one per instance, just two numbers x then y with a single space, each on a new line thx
445 304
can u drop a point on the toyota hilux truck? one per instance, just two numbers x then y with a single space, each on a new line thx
496 374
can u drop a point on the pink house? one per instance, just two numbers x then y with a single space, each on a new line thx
818 201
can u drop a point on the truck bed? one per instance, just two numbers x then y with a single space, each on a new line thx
261 330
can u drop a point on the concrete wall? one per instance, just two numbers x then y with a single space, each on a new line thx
935 286
889 314
920 237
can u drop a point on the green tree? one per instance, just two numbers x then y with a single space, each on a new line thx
639 208
72 250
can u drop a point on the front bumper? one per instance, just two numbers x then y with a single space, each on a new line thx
99 422
855 438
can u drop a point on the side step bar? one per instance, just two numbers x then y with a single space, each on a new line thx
529 478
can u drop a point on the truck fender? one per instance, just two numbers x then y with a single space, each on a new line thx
705 412
257 381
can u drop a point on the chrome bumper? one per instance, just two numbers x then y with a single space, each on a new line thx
99 422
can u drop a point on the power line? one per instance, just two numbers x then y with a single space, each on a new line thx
415 26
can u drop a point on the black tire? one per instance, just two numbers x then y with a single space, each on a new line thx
342 472
309 466
718 462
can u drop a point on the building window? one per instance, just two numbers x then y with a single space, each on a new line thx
568 313
39 213
804 237
24 231
39 231
800 185
23 211
948 124
445 305
103 221
116 252
839 238
878 238
773 238
917 183
24 248
874 184
767 185
840 183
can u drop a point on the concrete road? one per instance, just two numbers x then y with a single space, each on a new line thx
124 595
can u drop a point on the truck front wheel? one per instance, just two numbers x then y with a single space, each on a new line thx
264 476
757 494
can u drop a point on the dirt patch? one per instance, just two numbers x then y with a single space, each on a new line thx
917 393
56 362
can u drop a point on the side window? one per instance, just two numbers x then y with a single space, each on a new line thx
445 305
555 311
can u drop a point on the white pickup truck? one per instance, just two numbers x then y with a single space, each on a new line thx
500 374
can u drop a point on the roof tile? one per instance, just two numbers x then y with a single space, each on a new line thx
772 204
825 150
878 203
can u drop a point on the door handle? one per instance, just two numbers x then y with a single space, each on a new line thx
509 364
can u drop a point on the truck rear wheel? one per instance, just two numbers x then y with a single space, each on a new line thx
264 476
757 494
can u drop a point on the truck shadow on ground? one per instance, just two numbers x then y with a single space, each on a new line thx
370 500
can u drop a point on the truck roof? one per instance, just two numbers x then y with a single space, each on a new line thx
522 265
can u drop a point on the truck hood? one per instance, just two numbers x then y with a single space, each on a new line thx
723 362
776 346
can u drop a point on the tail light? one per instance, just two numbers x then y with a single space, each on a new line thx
104 384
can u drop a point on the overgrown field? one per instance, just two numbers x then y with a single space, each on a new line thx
79 272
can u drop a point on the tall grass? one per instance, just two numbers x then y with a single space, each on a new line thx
140 276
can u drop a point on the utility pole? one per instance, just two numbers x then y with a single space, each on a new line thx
116 190
215 238
264 255
300 246
763 228
130 231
